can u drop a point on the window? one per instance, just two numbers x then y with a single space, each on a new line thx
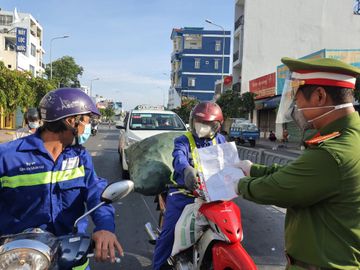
357 7
155 121
177 44
197 63
217 45
216 64
193 42
33 50
32 70
191 82
9 45
6 20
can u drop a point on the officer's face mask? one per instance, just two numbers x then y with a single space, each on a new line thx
335 107
82 138
203 130
299 119
298 116
34 124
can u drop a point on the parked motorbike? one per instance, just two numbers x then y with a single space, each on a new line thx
94 128
219 247
35 249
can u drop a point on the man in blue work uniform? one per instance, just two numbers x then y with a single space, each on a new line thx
205 122
47 178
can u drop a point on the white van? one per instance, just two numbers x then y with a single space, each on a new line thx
142 122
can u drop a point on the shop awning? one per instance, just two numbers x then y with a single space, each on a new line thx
271 103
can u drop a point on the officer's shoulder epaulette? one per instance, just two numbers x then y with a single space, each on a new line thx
319 139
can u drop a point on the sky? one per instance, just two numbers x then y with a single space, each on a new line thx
124 43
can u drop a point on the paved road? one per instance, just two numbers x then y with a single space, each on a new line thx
263 225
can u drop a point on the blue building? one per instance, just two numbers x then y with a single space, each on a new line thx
196 62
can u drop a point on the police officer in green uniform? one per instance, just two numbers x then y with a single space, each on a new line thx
321 189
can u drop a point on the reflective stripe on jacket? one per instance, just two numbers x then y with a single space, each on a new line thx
184 154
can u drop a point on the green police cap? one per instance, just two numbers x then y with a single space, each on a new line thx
323 71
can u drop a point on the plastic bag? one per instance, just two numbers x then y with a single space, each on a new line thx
189 227
150 162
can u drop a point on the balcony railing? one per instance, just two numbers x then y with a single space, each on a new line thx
239 22
235 56
42 64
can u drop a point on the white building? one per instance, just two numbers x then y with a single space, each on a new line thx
85 89
174 100
21 42
266 31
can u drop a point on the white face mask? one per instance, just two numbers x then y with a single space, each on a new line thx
203 130
300 119
337 107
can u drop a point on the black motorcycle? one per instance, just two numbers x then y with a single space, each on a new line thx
35 249
94 128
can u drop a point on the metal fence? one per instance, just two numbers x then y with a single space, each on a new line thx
262 156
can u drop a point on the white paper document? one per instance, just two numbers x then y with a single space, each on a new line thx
218 171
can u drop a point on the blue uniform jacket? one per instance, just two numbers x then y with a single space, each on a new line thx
182 155
37 192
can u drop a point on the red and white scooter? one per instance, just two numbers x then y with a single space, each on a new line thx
219 247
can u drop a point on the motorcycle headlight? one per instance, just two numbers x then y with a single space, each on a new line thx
25 254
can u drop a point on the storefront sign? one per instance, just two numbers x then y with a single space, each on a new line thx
263 86
351 57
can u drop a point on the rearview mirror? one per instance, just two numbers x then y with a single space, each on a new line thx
120 127
112 193
116 191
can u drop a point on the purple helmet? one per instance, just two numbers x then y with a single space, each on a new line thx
64 102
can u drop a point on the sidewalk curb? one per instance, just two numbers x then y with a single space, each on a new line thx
6 135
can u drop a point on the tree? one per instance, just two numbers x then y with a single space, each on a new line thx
40 86
21 89
14 90
234 105
107 113
248 102
65 71
187 104
230 104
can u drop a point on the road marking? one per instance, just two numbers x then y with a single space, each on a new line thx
99 145
141 259
94 154
149 211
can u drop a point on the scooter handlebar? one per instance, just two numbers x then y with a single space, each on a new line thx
184 189
176 186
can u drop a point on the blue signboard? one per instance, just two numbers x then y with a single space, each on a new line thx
21 39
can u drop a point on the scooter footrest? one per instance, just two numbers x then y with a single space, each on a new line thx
152 242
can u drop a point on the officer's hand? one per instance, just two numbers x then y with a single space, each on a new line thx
191 178
245 166
105 245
